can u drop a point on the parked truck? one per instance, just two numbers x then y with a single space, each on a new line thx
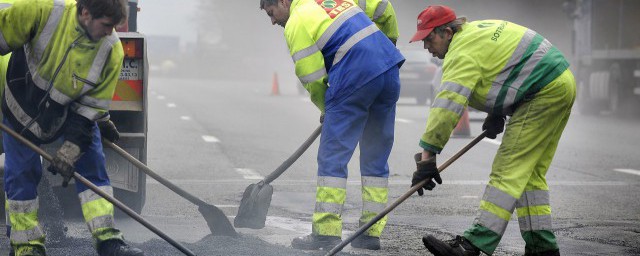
606 51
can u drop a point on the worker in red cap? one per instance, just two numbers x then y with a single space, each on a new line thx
503 69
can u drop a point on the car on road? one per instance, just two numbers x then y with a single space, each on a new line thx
416 75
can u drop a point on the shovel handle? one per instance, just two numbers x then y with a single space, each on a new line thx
292 159
404 197
193 199
100 192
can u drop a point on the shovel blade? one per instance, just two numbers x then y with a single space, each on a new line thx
216 220
254 206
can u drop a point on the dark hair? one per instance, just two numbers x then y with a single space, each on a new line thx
265 3
455 25
114 9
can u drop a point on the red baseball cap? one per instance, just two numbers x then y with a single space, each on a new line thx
431 17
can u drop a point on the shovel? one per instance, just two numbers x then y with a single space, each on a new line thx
256 198
404 197
100 192
215 218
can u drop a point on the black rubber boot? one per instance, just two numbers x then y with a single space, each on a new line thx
117 247
458 246
315 242
366 242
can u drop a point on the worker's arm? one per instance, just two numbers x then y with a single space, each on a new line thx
459 77
93 106
381 12
19 22
308 59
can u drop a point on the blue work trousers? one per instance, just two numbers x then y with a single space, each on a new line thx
367 116
23 168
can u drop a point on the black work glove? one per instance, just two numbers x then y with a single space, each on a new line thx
64 160
494 125
322 118
425 170
109 131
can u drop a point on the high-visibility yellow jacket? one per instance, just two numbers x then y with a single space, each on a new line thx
71 75
336 48
381 12
491 65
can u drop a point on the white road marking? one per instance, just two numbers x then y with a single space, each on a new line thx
492 141
226 205
294 225
161 97
171 105
249 174
629 171
469 197
210 139
401 120
186 118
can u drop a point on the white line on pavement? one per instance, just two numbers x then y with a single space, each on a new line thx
161 97
492 141
171 105
210 139
249 174
469 197
401 120
186 118
629 171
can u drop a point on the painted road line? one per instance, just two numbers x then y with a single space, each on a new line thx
289 224
629 171
186 118
210 139
469 197
161 97
171 105
492 141
249 174
226 205
401 120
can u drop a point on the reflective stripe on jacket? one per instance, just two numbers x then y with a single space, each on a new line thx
381 12
64 64
336 44
491 65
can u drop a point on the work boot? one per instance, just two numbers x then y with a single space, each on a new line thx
315 242
458 246
366 242
117 247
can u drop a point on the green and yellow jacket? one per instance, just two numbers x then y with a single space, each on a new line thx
59 81
492 66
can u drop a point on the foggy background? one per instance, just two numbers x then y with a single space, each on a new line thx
235 39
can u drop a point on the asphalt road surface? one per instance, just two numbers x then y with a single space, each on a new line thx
214 138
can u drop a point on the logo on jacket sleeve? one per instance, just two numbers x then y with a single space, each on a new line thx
334 7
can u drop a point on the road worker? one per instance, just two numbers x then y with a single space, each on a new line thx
60 80
503 69
350 69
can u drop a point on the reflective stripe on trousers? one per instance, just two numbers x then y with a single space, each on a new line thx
517 178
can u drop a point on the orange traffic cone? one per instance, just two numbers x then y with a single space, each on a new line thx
275 88
462 130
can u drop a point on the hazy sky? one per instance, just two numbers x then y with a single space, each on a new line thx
167 17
